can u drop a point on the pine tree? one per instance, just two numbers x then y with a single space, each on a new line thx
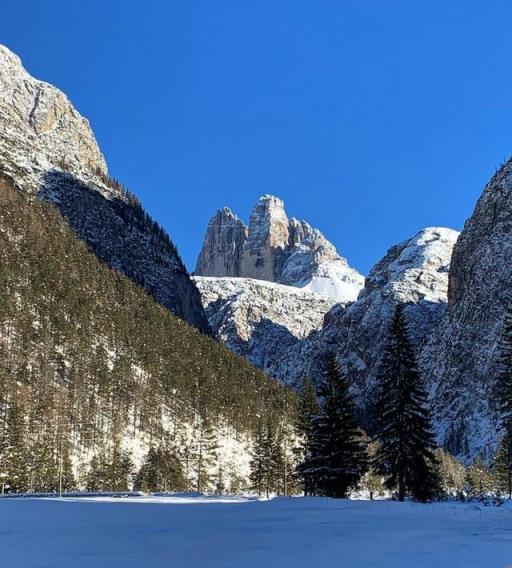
308 408
14 458
452 473
403 426
337 451
479 480
160 471
504 400
259 463
205 454
503 467
268 461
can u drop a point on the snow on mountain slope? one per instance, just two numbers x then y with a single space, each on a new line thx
461 359
259 319
415 273
276 249
47 148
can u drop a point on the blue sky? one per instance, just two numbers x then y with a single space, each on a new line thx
371 119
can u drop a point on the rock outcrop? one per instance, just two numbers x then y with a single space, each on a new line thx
221 254
40 130
259 320
461 359
414 273
48 149
276 249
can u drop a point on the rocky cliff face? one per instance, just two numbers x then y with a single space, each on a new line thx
414 273
259 320
461 359
221 254
266 246
41 130
276 249
47 148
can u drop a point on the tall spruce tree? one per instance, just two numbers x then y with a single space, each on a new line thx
268 461
259 461
205 454
308 408
504 402
503 467
402 423
337 457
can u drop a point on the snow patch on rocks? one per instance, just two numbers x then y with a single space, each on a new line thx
258 319
275 249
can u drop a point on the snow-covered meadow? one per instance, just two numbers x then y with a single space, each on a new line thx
197 532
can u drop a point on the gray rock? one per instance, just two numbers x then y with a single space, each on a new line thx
414 273
48 149
259 320
221 254
460 361
276 249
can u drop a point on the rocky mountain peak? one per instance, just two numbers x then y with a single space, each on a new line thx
462 359
413 273
221 254
276 249
416 268
39 121
47 148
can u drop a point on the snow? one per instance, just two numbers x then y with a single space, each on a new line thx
197 532
336 280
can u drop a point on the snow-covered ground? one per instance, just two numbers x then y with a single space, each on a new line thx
197 532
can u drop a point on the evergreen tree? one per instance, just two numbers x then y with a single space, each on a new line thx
259 462
268 461
452 474
308 408
403 426
503 467
160 471
479 480
371 481
15 478
205 454
504 400
337 451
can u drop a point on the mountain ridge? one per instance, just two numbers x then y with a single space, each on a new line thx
48 149
276 249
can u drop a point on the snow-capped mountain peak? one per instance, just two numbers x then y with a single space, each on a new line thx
276 249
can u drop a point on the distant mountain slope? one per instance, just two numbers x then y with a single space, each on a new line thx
414 273
260 320
91 366
48 149
276 249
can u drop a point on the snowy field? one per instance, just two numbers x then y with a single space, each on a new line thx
176 532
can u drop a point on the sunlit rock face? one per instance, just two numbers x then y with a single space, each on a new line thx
276 249
413 273
48 149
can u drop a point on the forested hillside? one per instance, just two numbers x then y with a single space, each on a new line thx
94 373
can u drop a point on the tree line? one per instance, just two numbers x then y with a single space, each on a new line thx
400 456
90 364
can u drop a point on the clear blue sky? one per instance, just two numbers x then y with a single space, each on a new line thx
371 119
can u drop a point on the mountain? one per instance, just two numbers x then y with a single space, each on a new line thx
48 149
414 273
275 249
258 319
460 361
94 373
